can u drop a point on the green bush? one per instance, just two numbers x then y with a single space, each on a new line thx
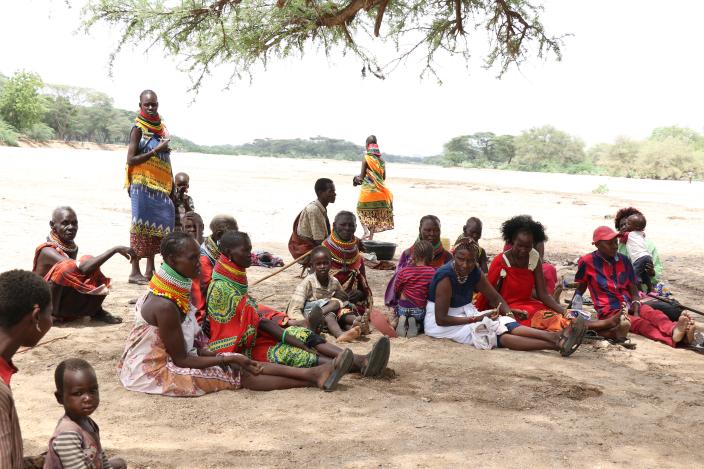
40 132
8 134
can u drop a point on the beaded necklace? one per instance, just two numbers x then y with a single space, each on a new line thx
69 248
168 283
460 279
342 252
235 275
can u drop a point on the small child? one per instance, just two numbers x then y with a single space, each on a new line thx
411 290
473 229
322 301
76 440
637 249
184 202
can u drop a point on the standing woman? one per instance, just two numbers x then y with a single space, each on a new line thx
375 206
150 184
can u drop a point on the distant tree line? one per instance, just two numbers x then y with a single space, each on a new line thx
669 153
43 112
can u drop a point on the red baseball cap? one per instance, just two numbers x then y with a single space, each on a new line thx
603 233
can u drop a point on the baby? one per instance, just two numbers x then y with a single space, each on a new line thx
637 249
76 440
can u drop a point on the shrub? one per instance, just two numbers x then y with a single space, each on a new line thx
40 132
8 134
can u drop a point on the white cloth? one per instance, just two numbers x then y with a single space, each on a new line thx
481 335
533 258
636 245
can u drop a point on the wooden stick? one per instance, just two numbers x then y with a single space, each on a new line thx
281 269
675 303
43 343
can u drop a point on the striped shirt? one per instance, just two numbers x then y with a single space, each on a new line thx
413 283
608 281
73 447
10 435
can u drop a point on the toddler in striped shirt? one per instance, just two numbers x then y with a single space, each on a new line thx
76 440
411 290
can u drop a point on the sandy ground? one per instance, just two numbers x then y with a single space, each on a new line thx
449 405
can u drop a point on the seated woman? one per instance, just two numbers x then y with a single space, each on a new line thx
473 229
654 268
238 324
347 267
165 351
549 270
428 230
450 313
518 272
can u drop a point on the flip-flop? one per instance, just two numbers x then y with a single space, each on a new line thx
574 339
315 319
378 358
625 343
138 282
343 365
699 348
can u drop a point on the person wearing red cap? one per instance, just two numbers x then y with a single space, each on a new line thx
611 280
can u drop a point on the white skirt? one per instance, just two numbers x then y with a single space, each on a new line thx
481 335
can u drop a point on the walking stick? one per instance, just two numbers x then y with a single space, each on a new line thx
675 303
281 269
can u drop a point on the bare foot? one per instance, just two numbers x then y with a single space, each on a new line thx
351 335
678 333
691 330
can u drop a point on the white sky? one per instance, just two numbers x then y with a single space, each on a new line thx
631 66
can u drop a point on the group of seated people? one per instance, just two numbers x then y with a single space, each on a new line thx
198 330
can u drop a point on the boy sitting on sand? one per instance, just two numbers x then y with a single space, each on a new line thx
411 290
76 440
321 300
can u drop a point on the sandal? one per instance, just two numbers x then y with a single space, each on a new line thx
377 359
571 337
625 343
107 318
342 365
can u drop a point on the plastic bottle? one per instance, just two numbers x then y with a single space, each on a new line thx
577 302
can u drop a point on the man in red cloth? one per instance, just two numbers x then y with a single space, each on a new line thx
78 288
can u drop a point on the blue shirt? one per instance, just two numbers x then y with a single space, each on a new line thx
461 292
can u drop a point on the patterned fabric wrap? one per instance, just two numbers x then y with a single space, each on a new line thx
232 313
285 354
168 283
234 321
146 366
150 185
375 205
210 249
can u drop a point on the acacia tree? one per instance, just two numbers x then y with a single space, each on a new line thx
20 103
241 33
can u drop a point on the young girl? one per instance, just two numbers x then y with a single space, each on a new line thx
320 299
76 440
411 290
